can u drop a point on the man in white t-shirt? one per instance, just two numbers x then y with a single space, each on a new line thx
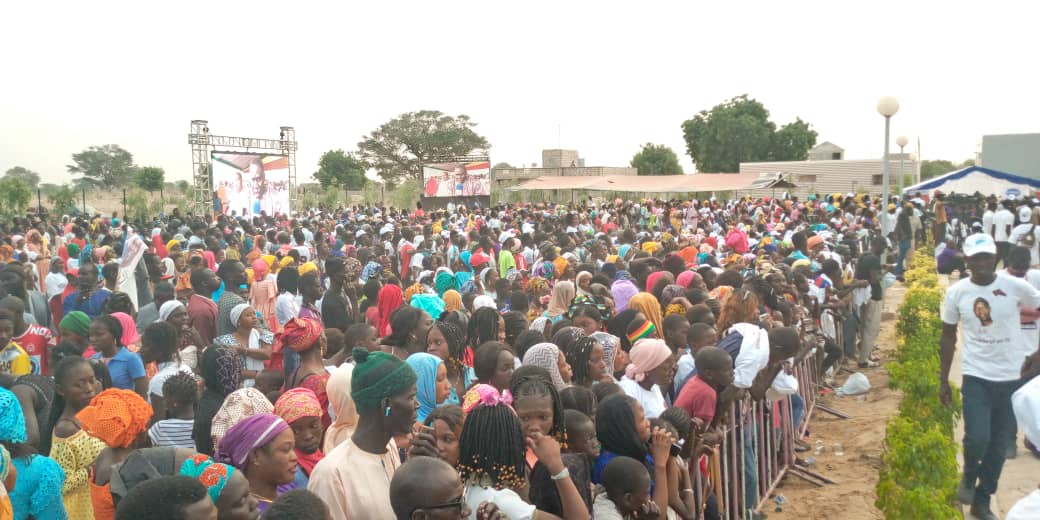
1003 222
986 306
1027 234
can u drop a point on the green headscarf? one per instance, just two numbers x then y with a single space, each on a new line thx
77 322
377 376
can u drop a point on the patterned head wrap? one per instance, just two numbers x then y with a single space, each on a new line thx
12 422
646 355
352 267
213 475
116 416
547 356
301 334
412 290
720 293
537 285
220 369
296 404
486 395
610 344
378 375
240 404
252 432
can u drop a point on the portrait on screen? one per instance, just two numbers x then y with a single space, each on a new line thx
248 184
457 179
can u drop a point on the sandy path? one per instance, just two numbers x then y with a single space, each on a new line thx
861 436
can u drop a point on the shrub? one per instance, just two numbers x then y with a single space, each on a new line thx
919 472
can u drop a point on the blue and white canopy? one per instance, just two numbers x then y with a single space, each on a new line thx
978 179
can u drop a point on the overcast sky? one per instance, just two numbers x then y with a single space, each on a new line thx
600 77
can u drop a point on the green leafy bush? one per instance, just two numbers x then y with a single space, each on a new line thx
919 472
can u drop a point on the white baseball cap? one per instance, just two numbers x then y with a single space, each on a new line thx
1025 213
979 243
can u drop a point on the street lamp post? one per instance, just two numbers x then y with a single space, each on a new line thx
887 106
901 142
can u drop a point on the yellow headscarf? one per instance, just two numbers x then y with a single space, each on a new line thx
307 267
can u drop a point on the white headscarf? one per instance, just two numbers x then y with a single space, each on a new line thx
236 312
168 308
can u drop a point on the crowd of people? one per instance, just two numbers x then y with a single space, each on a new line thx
529 361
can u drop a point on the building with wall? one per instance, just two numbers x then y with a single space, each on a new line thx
1018 154
826 151
837 176
556 163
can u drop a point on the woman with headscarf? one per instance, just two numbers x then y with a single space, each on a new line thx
299 408
432 386
71 446
452 300
651 368
444 282
341 405
188 340
118 418
222 376
582 282
562 294
241 404
549 357
648 305
447 341
227 487
261 447
623 290
252 345
306 337
263 294
37 491
390 298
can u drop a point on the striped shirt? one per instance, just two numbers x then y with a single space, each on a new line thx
174 433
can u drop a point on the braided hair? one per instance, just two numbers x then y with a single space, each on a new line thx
456 345
65 366
531 381
580 399
616 427
492 447
566 337
578 354
483 327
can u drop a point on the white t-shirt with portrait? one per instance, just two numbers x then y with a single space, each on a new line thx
994 345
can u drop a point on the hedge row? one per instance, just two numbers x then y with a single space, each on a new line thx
919 472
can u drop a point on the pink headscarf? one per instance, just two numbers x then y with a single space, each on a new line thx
260 269
685 278
130 336
211 260
646 355
652 279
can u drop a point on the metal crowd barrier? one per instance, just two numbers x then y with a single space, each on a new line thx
757 452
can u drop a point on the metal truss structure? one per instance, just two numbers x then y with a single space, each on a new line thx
203 145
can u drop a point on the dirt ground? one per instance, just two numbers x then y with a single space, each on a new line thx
861 437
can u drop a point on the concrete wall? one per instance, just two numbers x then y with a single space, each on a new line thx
503 177
560 158
825 177
1012 153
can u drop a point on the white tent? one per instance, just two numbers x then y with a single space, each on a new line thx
978 179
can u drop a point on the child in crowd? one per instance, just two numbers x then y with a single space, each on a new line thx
269 382
361 335
625 492
181 394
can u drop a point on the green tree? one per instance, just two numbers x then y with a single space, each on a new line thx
107 166
501 165
63 198
15 194
149 178
182 186
339 169
398 148
936 168
739 130
31 178
656 159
